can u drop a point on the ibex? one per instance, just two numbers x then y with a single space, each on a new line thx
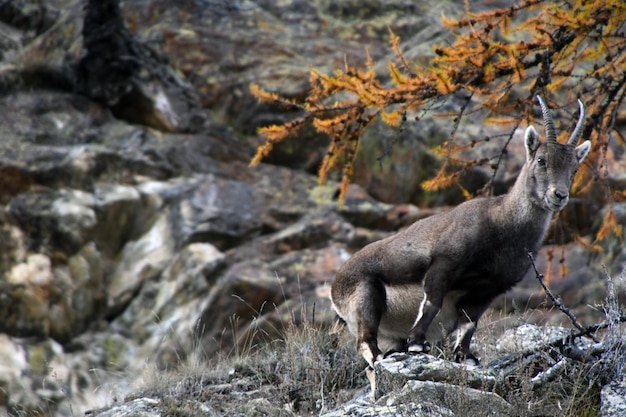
442 272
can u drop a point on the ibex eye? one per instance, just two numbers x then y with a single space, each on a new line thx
541 162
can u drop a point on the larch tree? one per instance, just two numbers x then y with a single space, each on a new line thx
499 61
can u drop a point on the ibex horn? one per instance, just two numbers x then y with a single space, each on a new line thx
578 130
548 122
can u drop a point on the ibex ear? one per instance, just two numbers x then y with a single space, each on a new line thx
532 142
582 151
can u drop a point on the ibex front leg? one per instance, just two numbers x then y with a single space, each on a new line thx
435 288
470 309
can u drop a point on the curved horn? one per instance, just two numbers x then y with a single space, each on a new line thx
548 122
578 130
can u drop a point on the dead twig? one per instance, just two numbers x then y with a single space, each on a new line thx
557 301
555 371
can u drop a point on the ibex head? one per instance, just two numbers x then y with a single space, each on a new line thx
551 164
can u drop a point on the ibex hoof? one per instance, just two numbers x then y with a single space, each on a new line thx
467 359
394 352
419 347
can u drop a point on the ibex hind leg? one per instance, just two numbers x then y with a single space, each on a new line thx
372 305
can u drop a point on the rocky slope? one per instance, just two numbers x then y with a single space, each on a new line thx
125 246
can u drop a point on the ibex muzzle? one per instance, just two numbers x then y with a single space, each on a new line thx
441 273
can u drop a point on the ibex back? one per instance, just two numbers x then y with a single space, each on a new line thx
441 273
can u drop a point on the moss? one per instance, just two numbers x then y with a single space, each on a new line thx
176 407
113 349
38 359
323 194
298 267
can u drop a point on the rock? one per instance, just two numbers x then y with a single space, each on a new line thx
36 271
166 104
140 260
362 407
139 407
41 377
213 212
82 285
75 217
615 172
613 251
436 398
423 385
528 337
426 385
162 319
361 210
12 245
29 16
55 220
26 296
613 398
25 311
12 363
294 301
394 372
129 77
247 291
128 208
276 45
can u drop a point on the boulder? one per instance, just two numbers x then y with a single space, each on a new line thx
139 407
41 376
363 407
55 220
399 368
528 336
140 260
429 398
58 302
613 398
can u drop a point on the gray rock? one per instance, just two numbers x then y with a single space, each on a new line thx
140 260
426 397
139 407
613 398
127 209
396 370
224 212
43 377
363 407
447 399
529 336
162 318
39 299
56 220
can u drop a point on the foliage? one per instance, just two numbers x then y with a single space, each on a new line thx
499 61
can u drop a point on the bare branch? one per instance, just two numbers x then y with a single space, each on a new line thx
549 374
557 300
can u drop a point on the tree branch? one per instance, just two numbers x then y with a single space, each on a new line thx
557 301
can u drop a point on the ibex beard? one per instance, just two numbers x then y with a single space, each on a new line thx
439 275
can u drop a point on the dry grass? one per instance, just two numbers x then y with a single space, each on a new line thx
310 370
